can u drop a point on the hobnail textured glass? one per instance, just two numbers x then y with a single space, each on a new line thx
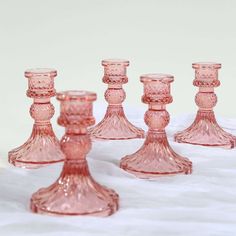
115 124
156 158
75 192
42 148
205 129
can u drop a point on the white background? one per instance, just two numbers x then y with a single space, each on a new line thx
166 36
73 36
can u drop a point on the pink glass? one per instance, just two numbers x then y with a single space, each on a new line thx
156 158
42 148
115 124
75 192
205 129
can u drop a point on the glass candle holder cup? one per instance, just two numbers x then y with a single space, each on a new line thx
205 130
75 192
115 125
42 148
156 158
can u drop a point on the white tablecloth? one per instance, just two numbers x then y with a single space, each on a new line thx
200 204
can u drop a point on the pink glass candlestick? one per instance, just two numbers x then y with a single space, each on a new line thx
75 192
115 124
42 148
156 158
205 129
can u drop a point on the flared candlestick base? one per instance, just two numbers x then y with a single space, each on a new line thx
115 126
75 193
42 148
155 158
205 131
